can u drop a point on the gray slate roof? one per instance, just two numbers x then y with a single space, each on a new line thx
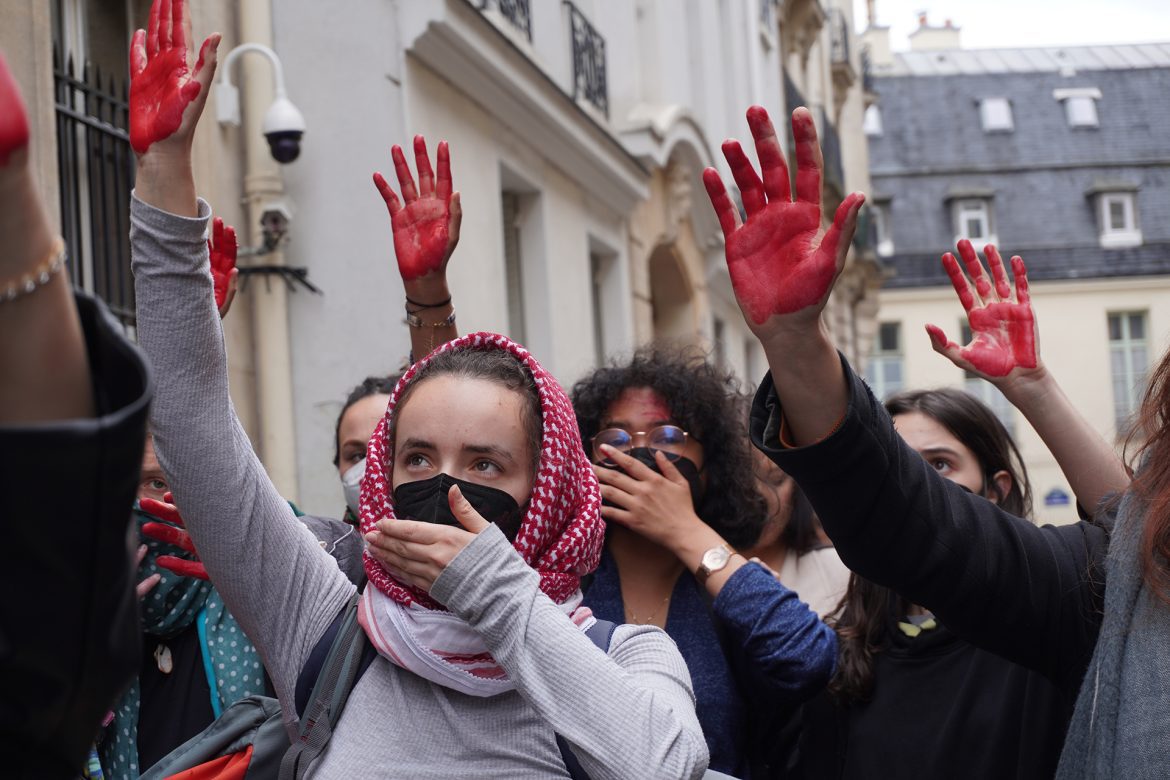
1038 60
1041 176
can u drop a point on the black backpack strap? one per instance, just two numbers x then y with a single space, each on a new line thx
347 658
601 634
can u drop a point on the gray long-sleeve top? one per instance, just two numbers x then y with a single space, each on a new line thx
629 715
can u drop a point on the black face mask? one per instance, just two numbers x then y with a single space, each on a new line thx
685 466
426 501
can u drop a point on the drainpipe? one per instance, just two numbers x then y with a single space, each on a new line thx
264 187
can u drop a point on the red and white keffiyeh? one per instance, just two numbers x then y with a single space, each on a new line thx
561 534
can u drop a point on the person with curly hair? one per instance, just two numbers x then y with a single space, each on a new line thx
671 452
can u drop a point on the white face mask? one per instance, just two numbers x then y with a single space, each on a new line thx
351 484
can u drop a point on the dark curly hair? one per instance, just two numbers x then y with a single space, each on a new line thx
705 401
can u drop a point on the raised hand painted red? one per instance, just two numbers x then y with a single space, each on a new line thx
426 222
222 248
13 122
780 260
170 534
161 87
1003 332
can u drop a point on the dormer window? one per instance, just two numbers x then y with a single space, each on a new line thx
1116 207
996 114
872 123
1080 105
972 214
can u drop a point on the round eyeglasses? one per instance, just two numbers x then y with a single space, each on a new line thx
671 440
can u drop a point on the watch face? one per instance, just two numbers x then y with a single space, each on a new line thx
715 558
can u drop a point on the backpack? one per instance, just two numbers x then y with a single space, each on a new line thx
249 740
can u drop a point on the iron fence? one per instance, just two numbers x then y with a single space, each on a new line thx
96 173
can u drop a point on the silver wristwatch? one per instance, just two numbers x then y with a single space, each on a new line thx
713 560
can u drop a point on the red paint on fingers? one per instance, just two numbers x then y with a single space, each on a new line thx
958 281
13 122
1002 288
725 210
402 171
387 193
772 163
809 161
182 567
1021 274
443 185
1003 333
424 224
751 189
222 249
161 84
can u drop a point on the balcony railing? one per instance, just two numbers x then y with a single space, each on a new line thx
867 81
96 169
589 79
517 12
838 36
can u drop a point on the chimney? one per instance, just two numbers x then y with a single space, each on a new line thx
928 38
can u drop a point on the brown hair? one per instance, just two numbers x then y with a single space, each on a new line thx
863 617
492 365
1153 482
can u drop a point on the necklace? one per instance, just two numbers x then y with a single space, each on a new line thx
650 618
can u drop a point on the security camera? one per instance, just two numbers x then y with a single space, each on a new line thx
274 223
283 127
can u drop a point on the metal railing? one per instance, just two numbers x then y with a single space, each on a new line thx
588 46
838 37
517 12
96 173
867 81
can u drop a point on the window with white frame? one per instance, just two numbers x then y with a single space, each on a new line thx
973 220
513 264
1080 105
1128 361
986 392
881 228
885 365
996 114
1117 218
872 123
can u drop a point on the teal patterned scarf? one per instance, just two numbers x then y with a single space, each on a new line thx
230 661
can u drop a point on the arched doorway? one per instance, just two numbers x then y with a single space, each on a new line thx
671 296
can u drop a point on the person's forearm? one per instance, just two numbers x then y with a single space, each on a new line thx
167 183
256 552
630 715
1092 467
422 295
44 369
810 383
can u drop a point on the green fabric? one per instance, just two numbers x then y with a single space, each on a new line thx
171 607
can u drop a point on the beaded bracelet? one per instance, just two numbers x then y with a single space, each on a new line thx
36 278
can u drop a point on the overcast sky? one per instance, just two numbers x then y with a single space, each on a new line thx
1015 23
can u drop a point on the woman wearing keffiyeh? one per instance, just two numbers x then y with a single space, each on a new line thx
628 713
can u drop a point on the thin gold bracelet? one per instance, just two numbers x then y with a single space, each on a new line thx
36 278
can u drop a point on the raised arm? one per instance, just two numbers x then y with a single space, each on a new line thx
1000 582
426 229
44 371
783 264
1005 350
253 548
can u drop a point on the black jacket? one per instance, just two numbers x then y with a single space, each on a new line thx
69 638
1031 594
940 707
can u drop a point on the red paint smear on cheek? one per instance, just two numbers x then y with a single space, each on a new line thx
13 122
